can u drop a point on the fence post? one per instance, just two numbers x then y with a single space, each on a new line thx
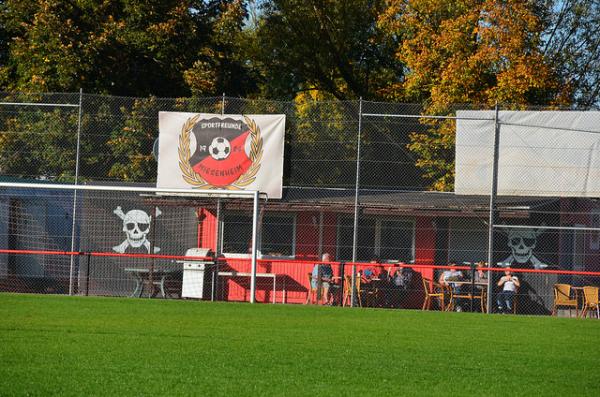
218 231
153 259
254 246
77 153
492 217
87 273
472 265
218 248
356 188
342 275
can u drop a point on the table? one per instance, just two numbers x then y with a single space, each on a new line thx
142 278
467 294
245 274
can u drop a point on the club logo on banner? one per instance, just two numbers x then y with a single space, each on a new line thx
221 159
221 152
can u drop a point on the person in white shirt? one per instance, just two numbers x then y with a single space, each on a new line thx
446 278
509 284
452 274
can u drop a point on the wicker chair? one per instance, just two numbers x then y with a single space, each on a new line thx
312 292
347 299
590 301
562 298
435 290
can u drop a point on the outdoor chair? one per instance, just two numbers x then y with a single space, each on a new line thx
435 290
590 301
313 294
370 293
562 298
347 299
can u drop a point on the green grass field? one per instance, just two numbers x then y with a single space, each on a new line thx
57 345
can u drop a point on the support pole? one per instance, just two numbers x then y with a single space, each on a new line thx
153 259
254 246
472 265
215 286
87 273
492 216
77 153
223 104
356 213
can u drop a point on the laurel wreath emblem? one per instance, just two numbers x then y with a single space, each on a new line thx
191 177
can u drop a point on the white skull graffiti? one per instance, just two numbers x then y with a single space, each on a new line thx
136 225
522 242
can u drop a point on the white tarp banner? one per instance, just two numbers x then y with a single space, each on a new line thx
212 151
541 153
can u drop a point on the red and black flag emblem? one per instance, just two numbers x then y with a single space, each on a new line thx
221 155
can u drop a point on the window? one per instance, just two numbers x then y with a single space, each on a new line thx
237 233
467 240
386 239
397 241
277 237
366 239
595 235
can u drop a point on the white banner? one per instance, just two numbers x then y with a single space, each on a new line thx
212 151
541 153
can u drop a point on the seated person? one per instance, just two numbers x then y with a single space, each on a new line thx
450 275
380 273
509 284
447 277
400 279
323 274
369 273
481 275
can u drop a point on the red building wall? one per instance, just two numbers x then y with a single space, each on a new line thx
207 231
293 275
425 244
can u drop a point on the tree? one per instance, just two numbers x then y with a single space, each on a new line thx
130 144
322 135
222 65
39 143
465 52
571 43
328 45
130 47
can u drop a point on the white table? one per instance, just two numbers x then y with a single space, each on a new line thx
245 274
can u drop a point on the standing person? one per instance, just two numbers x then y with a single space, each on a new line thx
322 275
509 284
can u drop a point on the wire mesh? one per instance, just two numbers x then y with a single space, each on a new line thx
407 234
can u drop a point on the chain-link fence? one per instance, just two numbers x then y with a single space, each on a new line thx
357 199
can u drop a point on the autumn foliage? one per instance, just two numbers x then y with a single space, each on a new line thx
465 52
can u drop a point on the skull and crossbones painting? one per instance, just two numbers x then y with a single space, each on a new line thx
522 242
136 225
